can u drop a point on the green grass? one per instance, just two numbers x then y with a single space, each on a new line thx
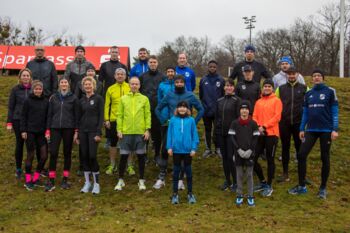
151 211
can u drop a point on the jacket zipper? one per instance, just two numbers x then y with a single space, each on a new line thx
61 114
133 112
223 117
292 105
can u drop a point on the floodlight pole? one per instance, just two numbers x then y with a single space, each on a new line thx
250 26
342 34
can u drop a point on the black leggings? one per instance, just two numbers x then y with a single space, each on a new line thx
186 159
124 160
305 149
156 134
33 142
19 144
269 144
208 125
226 147
163 160
286 131
88 148
56 136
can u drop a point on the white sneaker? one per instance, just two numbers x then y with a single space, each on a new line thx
181 185
119 185
159 184
142 185
96 189
86 188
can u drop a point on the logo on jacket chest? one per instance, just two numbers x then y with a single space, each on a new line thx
244 87
92 102
187 74
218 84
322 96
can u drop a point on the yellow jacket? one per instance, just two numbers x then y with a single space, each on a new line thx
113 95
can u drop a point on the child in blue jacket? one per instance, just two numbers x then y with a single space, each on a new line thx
182 144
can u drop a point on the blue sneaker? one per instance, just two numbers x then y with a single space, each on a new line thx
29 186
191 199
322 193
267 191
225 186
175 199
297 190
260 187
233 188
18 173
239 200
251 201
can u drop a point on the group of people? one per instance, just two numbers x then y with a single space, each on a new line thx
144 108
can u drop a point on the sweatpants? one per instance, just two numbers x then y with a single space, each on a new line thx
163 160
88 147
209 132
226 148
19 144
124 160
269 144
186 159
305 149
286 132
242 173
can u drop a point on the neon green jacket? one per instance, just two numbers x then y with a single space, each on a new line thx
134 114
113 95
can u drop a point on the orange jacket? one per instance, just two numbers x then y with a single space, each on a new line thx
267 113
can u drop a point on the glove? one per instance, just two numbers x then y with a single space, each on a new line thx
248 153
240 152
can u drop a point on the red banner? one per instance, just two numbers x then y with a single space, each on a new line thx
16 57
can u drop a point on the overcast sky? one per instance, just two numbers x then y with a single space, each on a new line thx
137 23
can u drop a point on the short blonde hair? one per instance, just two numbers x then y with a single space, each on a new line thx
92 80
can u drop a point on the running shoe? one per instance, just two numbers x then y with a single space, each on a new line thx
267 192
159 184
239 200
141 184
49 187
297 190
322 193
131 170
191 198
206 153
119 185
181 185
96 189
251 201
175 199
29 186
86 188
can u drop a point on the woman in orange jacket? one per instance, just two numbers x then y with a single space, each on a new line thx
267 114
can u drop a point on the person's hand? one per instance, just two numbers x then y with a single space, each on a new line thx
47 135
193 153
76 138
97 138
302 135
108 124
334 135
146 135
261 130
9 127
170 152
24 135
120 135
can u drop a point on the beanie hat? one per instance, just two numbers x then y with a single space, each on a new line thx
79 47
249 47
268 81
287 59
90 67
170 68
178 76
317 70
245 104
182 104
291 69
247 68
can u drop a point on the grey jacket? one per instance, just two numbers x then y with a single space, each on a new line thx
76 71
281 78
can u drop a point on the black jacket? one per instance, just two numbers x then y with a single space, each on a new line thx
91 114
106 76
79 92
292 97
248 90
45 71
227 110
63 111
76 71
149 86
16 100
34 114
259 71
244 137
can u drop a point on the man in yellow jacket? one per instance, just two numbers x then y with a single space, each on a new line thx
113 96
133 125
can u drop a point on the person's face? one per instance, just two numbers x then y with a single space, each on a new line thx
143 55
292 76
134 85
170 73
267 89
212 67
244 112
39 51
88 86
179 83
153 64
248 75
120 77
182 60
229 89
90 73
284 66
317 78
114 54
64 85
249 55
38 90
182 110
80 54
25 77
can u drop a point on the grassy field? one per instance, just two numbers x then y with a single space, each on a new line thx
151 211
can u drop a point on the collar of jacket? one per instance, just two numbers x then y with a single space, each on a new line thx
229 96
292 83
114 61
153 72
76 60
169 81
272 95
40 59
134 94
244 122
143 62
36 97
248 81
319 86
22 86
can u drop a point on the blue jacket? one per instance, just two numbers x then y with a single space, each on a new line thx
139 68
182 135
163 89
189 75
211 88
170 101
320 110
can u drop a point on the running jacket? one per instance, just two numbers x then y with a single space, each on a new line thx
248 90
107 71
91 114
79 90
259 71
76 71
182 135
189 75
320 110
227 111
267 113
150 82
18 95
113 96
282 78
139 68
211 88
164 88
134 114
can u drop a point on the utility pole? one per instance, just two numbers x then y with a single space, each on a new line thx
250 26
342 34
